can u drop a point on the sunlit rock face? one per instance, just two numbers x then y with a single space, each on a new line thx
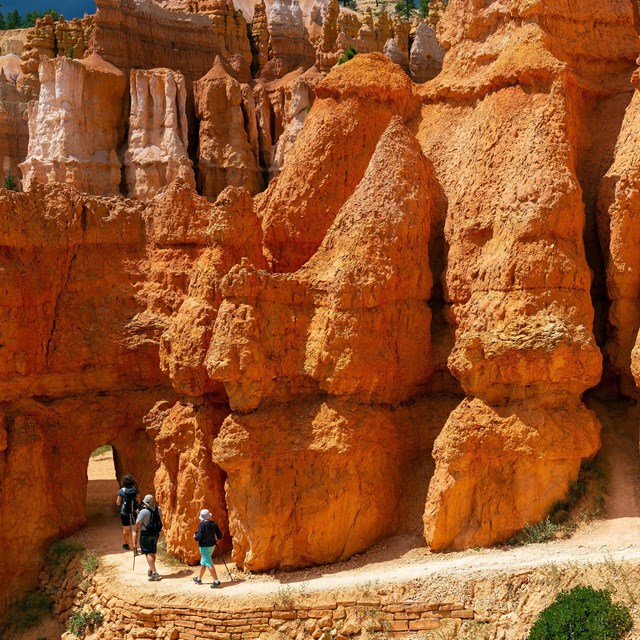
158 133
75 126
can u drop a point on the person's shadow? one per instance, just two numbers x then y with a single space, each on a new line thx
183 573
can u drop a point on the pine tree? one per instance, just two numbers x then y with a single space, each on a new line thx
14 20
423 9
31 18
405 8
349 4
3 24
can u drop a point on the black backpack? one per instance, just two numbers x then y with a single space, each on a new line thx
129 501
155 523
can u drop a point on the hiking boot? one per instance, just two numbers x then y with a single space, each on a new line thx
197 580
154 577
216 584
149 573
126 547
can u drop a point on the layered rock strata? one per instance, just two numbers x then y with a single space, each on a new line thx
516 284
76 125
139 34
158 133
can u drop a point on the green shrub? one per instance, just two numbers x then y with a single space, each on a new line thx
347 55
543 531
26 613
100 450
90 562
82 621
10 183
582 613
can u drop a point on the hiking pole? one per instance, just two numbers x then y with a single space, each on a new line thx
133 539
225 564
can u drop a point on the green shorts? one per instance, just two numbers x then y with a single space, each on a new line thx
205 556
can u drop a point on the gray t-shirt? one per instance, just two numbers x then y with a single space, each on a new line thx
144 517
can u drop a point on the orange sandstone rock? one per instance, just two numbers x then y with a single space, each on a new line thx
231 234
353 321
502 124
187 479
356 102
88 284
299 475
225 154
500 468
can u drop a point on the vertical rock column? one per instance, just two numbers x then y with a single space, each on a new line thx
76 125
516 282
425 61
619 226
158 135
225 154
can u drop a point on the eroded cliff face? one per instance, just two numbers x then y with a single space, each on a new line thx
516 282
395 336
89 286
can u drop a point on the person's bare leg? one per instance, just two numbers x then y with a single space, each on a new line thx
212 571
151 560
125 534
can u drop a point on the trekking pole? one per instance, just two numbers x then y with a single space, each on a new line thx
133 540
225 564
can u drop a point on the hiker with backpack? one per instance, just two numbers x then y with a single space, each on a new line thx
206 535
148 528
127 500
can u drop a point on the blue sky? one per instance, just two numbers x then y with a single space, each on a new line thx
68 8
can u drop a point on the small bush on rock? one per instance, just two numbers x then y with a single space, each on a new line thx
582 613
82 621
349 54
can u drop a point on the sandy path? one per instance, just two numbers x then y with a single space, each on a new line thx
396 560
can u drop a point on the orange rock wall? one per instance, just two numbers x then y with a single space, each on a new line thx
89 285
417 242
516 283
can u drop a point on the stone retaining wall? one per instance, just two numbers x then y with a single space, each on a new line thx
130 618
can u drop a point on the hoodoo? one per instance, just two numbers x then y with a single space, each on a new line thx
332 276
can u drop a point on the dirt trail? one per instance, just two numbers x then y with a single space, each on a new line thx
396 560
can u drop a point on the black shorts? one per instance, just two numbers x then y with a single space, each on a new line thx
148 544
127 519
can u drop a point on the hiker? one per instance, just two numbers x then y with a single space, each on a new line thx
127 500
148 528
208 531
